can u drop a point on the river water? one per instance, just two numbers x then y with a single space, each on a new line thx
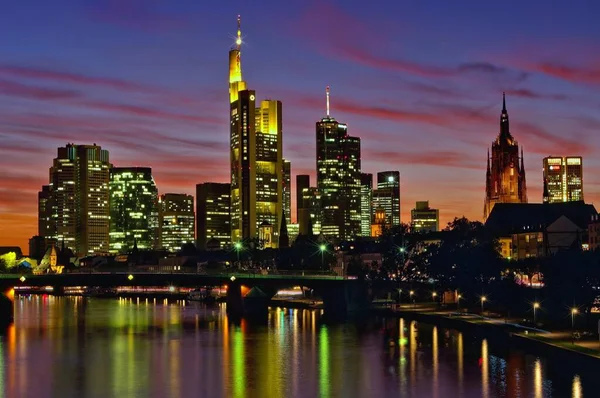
81 347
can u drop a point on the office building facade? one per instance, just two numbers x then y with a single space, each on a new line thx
213 214
424 219
287 191
387 196
563 179
176 221
73 209
366 203
133 209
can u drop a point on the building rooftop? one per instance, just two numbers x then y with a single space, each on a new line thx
508 218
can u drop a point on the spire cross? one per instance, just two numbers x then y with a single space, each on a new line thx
327 95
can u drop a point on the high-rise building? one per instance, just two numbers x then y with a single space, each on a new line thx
45 220
302 183
310 214
387 196
563 179
176 220
256 155
505 176
133 209
74 209
366 203
424 219
287 191
338 178
213 214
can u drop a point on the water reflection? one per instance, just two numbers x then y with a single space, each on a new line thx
74 347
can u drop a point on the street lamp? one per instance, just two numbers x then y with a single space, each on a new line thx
458 302
483 299
535 307
238 247
433 295
399 297
412 293
574 312
323 249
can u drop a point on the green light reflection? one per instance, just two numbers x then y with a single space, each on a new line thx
239 382
324 362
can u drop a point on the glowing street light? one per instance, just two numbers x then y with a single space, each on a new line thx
483 300
412 293
22 278
238 247
574 311
458 302
323 249
433 295
130 277
232 278
536 305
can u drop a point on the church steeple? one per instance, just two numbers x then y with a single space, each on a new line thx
504 136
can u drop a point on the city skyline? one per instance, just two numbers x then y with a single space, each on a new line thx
435 132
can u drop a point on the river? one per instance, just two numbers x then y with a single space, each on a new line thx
81 347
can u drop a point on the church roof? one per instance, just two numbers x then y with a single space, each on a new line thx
508 218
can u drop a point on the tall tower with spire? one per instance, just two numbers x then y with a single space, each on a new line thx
505 175
255 155
338 178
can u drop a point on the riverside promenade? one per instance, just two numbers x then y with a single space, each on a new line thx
585 345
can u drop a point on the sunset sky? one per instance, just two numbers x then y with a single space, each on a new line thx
420 82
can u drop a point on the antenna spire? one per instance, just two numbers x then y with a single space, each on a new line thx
327 95
503 102
238 40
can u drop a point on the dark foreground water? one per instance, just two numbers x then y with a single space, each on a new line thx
75 347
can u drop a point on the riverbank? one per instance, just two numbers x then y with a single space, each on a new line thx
555 344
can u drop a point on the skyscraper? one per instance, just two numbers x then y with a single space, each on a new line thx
387 196
77 200
287 191
366 203
310 214
213 215
424 219
256 155
563 179
302 183
338 178
45 220
176 220
133 209
505 176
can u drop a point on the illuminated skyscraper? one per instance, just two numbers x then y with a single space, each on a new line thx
287 191
176 220
563 179
77 200
338 178
213 215
256 155
366 203
133 209
424 219
387 196
505 177
311 214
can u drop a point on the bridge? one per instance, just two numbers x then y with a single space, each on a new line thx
341 296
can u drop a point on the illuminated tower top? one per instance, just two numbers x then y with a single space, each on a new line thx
236 84
505 136
327 94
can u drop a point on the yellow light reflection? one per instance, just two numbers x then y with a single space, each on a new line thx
485 381
238 371
402 358
412 336
577 391
537 378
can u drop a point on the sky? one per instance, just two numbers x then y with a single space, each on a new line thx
420 82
